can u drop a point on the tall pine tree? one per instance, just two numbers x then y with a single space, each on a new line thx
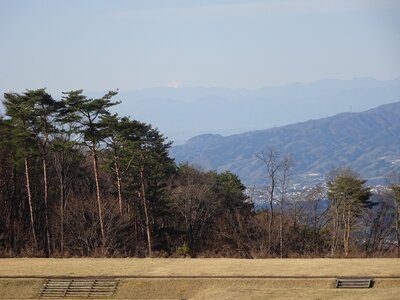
87 113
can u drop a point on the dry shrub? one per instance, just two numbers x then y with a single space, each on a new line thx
82 229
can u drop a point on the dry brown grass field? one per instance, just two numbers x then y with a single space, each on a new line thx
217 278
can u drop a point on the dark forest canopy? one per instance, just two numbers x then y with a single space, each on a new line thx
77 180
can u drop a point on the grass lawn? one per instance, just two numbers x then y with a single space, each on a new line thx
31 267
280 287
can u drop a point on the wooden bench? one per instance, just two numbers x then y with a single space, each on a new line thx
353 283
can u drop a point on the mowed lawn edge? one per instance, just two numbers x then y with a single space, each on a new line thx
137 267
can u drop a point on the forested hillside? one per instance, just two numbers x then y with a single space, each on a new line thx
367 142
76 180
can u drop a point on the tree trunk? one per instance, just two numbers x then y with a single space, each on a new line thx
281 231
335 233
347 230
146 213
59 164
271 215
62 200
13 213
315 218
398 229
284 180
46 207
99 206
119 184
29 193
344 218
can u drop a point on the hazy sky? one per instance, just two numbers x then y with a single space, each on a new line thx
102 45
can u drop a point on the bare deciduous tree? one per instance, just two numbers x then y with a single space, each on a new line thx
194 200
278 172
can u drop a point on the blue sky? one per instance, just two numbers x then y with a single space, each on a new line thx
100 45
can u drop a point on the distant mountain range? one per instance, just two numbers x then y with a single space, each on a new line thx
368 142
181 113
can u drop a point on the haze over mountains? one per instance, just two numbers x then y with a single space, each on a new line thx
181 113
368 142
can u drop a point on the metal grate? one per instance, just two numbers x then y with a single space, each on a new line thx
78 288
353 283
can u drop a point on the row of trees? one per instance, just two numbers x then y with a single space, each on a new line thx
343 215
76 180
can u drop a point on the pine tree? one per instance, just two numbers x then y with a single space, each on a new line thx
44 109
19 110
87 113
348 197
